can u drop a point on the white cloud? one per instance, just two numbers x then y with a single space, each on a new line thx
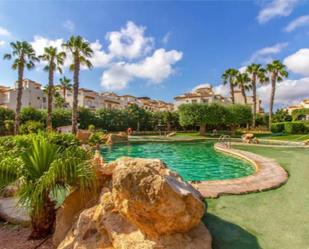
129 42
154 68
288 92
223 90
298 62
242 69
298 22
100 57
69 25
4 32
276 8
2 43
166 38
264 55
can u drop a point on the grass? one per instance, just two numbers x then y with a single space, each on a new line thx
275 219
291 137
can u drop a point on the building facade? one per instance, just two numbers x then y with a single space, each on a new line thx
239 99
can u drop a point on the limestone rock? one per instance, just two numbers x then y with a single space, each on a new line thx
145 206
83 136
14 213
156 203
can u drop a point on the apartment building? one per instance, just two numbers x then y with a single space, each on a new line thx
239 99
32 96
303 104
200 95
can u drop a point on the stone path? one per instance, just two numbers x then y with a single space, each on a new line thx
269 175
13 213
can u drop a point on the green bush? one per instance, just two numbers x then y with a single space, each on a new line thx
294 127
96 138
5 114
61 117
63 140
31 127
277 127
32 114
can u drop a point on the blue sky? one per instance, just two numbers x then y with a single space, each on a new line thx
162 49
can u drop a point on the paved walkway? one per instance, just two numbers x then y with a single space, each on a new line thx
269 175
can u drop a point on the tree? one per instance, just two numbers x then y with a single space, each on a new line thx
257 73
24 56
81 52
278 73
65 85
54 61
281 115
238 115
229 77
243 82
41 170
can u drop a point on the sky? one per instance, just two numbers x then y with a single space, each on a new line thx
165 48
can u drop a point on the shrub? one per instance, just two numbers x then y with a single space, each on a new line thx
31 114
91 127
96 138
62 140
5 114
31 127
9 126
61 117
294 127
277 127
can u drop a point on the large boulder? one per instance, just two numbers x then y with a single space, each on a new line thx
145 206
154 201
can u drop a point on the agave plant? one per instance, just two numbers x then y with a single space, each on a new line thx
39 172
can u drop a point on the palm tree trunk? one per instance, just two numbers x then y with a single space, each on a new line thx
75 95
272 97
64 93
232 92
50 97
19 97
42 221
254 99
243 92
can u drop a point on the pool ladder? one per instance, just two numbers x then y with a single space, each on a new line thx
225 140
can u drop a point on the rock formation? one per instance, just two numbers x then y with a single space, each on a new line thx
143 205
120 137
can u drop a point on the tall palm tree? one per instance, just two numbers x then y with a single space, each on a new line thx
278 72
229 77
41 170
54 61
65 86
24 56
81 52
257 73
243 82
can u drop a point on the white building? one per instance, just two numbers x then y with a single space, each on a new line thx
200 95
239 99
303 104
32 96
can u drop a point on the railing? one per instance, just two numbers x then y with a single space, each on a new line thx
225 140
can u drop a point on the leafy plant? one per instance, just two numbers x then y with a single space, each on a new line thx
31 127
40 171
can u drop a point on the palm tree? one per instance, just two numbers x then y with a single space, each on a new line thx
54 61
39 172
257 73
81 51
65 85
278 73
243 82
229 77
24 56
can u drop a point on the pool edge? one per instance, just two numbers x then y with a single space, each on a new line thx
268 175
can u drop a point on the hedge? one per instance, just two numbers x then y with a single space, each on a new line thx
296 113
289 127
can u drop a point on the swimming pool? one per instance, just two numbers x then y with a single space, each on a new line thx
194 161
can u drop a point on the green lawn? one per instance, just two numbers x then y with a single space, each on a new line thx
294 137
275 219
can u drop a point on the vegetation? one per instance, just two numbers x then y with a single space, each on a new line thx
25 57
214 115
81 52
281 115
278 73
54 61
5 115
40 168
243 82
65 86
270 219
289 127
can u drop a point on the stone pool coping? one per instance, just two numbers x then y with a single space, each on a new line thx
268 175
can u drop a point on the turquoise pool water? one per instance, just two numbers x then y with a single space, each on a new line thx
192 160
